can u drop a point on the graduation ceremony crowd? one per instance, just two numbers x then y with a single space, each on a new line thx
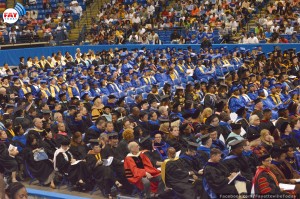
163 123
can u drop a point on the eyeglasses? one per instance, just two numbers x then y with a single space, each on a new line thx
157 137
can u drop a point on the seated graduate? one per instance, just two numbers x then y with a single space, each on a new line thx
48 143
236 162
37 161
265 182
140 172
103 174
282 169
8 156
117 165
159 144
217 143
177 177
217 177
146 146
194 162
76 170
78 147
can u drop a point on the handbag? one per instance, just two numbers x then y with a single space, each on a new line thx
40 155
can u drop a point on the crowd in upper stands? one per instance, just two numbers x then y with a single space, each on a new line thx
219 21
200 116
43 21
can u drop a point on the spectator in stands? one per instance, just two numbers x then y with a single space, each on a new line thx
252 39
76 8
133 38
12 35
294 38
175 36
289 29
153 38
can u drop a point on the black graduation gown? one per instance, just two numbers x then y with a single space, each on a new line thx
9 163
123 149
41 170
117 165
240 164
103 175
194 163
177 177
79 152
216 176
178 144
154 157
75 172
50 147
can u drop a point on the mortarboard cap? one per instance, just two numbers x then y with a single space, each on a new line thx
237 144
204 138
192 146
235 126
113 136
94 142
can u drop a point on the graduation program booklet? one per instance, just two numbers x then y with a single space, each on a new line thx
287 187
76 162
238 173
107 162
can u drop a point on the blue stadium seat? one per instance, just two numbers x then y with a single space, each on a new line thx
129 100
104 99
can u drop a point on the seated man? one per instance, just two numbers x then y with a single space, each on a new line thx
177 177
217 177
140 172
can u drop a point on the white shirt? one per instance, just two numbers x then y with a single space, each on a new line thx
253 40
289 30
136 20
274 28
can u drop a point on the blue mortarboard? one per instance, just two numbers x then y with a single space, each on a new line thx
252 75
234 88
240 86
272 86
278 85
25 81
260 90
254 48
263 80
250 85
294 92
43 82
260 53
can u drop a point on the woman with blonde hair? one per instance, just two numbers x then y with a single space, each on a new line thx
266 139
205 114
97 108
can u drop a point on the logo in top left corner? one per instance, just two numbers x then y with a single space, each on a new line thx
11 15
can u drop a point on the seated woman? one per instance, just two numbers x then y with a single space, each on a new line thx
48 143
7 156
77 147
265 182
266 139
76 170
102 174
41 169
282 169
